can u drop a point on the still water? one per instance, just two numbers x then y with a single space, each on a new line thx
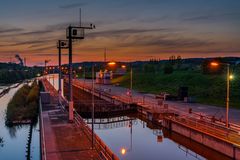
14 139
132 138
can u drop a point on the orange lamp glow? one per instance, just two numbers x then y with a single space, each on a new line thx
123 66
112 63
214 64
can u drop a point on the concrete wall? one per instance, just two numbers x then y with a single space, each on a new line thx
205 139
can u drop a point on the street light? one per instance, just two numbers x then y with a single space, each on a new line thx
131 76
229 77
111 63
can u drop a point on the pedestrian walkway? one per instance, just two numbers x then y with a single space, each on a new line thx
61 140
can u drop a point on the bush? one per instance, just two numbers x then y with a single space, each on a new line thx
168 69
24 104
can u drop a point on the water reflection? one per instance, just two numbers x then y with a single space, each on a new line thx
133 137
1 142
15 138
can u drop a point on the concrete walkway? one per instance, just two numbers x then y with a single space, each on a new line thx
62 140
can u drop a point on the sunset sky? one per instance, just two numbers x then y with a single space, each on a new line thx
129 29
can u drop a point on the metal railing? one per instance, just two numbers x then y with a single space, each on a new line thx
42 137
208 128
100 146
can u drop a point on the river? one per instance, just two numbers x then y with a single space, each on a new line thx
14 139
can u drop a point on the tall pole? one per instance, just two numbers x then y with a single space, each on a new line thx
70 74
59 71
105 55
131 134
227 96
131 81
93 106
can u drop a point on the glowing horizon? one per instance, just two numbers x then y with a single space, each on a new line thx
131 30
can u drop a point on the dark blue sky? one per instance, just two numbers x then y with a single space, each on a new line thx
129 29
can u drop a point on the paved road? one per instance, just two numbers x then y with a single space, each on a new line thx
218 112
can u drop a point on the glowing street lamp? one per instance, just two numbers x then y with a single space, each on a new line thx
229 77
123 66
214 64
111 63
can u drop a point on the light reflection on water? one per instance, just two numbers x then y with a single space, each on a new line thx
15 138
144 140
138 141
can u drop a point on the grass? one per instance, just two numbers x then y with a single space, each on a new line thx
207 89
24 104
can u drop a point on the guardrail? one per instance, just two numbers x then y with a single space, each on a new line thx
102 148
42 137
208 129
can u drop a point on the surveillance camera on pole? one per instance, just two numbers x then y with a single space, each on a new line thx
73 33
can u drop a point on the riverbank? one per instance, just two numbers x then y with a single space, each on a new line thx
6 89
23 107
203 88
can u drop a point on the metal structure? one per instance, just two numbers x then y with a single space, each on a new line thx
61 44
228 93
73 33
93 105
21 62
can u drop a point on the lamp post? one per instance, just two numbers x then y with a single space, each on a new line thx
93 106
229 77
131 77
131 82
73 33
61 44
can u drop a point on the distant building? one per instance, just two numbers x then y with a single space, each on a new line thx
104 77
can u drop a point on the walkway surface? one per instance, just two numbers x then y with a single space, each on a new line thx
62 140
207 110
